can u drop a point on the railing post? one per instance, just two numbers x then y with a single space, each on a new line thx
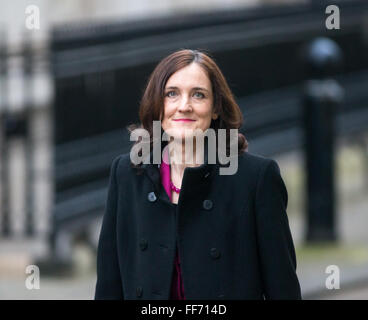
321 97
5 212
29 228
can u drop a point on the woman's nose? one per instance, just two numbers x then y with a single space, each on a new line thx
185 105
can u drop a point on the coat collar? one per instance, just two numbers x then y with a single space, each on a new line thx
193 178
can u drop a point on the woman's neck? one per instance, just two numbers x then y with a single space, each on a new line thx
180 158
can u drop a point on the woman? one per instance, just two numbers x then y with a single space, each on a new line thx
180 229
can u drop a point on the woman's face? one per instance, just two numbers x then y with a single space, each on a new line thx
188 102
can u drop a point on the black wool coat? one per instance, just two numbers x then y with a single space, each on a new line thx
232 234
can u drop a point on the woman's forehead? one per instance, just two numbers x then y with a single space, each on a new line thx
189 76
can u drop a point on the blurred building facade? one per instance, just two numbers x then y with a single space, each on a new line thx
49 80
26 83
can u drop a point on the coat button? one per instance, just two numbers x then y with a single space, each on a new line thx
207 204
215 253
143 244
152 197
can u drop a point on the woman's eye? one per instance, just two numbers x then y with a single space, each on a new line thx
199 95
169 94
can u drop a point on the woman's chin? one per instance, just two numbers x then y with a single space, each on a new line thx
180 133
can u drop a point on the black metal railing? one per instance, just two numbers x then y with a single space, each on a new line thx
21 108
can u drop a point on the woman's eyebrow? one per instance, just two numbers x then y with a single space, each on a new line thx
195 88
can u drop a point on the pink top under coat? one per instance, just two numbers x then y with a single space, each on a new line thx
177 289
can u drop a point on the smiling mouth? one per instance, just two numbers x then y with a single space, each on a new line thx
184 120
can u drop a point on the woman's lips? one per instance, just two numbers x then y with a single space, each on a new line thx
184 120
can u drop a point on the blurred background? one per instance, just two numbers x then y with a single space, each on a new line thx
71 77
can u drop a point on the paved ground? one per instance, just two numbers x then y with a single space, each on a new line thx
356 293
81 288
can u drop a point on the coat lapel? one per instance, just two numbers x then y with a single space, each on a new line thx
195 179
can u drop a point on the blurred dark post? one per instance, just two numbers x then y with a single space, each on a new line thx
4 210
322 97
29 146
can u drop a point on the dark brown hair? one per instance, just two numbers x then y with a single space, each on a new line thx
152 102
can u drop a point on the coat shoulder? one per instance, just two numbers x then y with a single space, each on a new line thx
123 159
254 162
121 164
250 169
